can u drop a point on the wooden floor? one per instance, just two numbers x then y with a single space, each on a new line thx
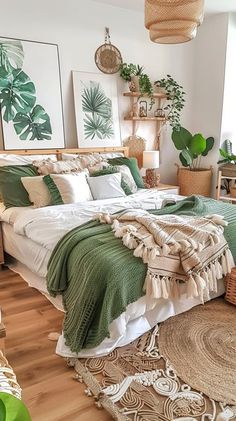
49 390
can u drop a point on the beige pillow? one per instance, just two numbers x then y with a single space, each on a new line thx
37 190
59 167
73 188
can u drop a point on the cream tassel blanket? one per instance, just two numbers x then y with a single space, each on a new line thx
175 248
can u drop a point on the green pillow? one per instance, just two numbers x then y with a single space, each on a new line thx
133 166
113 170
53 190
12 190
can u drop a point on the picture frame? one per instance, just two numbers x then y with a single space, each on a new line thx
96 110
31 107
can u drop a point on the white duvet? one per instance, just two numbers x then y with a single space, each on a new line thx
46 226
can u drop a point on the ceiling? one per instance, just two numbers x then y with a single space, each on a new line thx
211 6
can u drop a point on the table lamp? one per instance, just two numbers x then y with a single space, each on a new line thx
151 163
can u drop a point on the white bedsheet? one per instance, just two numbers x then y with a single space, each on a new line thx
34 233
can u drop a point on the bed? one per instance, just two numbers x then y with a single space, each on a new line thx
30 235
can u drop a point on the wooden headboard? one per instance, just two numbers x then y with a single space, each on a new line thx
58 152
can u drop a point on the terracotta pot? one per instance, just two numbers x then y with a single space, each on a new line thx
160 90
194 181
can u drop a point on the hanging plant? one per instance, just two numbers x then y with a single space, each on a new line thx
175 95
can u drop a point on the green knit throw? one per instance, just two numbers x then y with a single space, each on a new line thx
99 277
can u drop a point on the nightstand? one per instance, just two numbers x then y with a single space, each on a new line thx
1 248
2 334
167 188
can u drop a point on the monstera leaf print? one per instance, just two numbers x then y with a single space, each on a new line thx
17 93
35 125
11 54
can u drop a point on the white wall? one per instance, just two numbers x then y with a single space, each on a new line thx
209 77
78 29
228 129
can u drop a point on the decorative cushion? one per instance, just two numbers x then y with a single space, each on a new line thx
37 190
113 170
72 188
106 186
131 163
10 159
12 189
98 167
127 177
59 167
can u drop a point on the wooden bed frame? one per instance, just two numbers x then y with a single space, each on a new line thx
59 152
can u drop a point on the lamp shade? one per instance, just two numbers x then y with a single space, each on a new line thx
173 21
151 159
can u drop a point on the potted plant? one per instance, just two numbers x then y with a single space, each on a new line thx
175 95
192 178
229 167
138 80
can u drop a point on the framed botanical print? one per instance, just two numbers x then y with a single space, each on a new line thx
30 95
96 110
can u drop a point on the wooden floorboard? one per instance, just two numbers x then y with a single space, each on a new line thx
49 390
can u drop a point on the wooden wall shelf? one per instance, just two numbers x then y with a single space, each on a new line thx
138 94
145 118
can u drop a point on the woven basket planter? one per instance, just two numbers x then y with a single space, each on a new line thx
194 182
231 287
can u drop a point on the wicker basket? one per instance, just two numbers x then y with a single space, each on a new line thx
8 381
230 295
194 182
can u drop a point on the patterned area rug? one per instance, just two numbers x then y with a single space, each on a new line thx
138 383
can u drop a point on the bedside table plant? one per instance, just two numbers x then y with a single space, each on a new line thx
192 178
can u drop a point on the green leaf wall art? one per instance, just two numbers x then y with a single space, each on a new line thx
30 95
98 112
18 95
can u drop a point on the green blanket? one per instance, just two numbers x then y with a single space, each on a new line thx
98 276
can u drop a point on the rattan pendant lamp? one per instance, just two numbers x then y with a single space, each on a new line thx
173 21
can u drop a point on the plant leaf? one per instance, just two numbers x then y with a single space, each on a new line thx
35 125
17 93
197 144
223 153
186 158
11 54
209 145
97 126
15 409
2 411
181 138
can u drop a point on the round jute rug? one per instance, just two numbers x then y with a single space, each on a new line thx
201 346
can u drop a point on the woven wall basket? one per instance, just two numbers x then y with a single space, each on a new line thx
173 21
194 182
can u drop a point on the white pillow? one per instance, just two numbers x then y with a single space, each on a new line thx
106 186
10 159
73 188
37 190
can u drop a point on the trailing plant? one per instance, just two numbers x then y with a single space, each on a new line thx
227 154
145 85
192 147
175 94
